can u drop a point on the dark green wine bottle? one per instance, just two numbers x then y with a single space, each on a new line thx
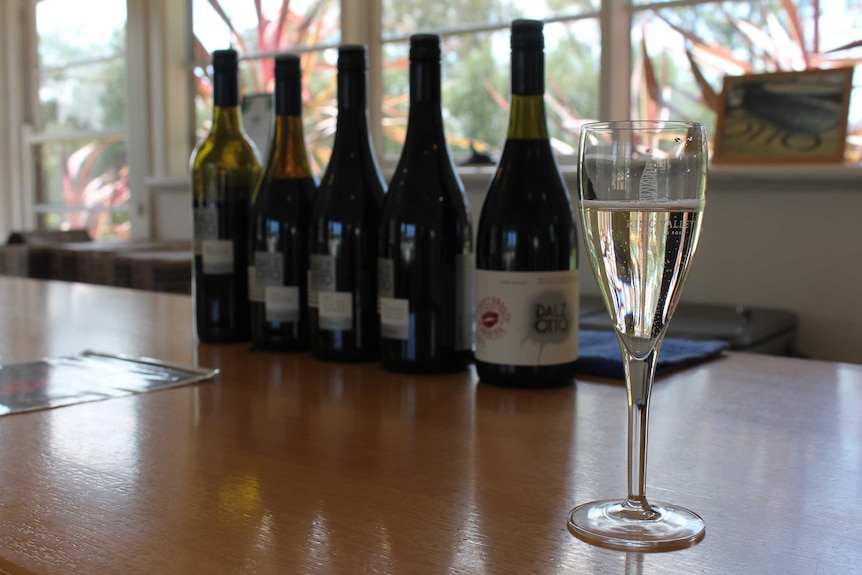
280 214
343 235
526 246
224 170
425 270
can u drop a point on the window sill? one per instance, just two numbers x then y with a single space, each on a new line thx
783 178
773 177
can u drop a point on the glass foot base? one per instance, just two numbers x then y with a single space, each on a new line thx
611 524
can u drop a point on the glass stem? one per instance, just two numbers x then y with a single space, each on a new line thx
639 377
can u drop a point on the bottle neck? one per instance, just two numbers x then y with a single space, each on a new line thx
352 123
425 113
528 71
288 96
424 82
225 89
527 119
226 119
288 155
352 90
226 116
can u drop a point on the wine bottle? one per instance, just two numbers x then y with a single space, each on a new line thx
280 213
526 246
343 235
225 168
425 270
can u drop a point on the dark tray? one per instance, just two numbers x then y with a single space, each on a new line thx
758 330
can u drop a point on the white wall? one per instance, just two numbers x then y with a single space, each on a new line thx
799 250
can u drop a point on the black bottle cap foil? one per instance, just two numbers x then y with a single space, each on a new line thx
287 66
352 57
425 47
527 34
225 61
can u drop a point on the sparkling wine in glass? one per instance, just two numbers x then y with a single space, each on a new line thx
642 190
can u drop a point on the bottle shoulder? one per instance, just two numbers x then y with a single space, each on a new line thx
225 151
352 176
284 194
528 180
287 156
425 177
527 206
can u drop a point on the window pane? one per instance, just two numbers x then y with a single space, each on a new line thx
476 87
712 40
308 23
82 73
91 174
84 97
81 88
573 56
69 33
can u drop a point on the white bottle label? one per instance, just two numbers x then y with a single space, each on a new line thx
321 276
281 303
205 226
394 317
217 257
335 310
527 318
394 312
268 271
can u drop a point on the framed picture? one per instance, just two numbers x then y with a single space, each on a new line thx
784 117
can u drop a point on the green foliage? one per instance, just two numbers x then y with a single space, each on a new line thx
469 102
572 69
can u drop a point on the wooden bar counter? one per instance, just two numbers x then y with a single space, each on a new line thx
284 464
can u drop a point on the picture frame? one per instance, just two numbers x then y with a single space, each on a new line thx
776 117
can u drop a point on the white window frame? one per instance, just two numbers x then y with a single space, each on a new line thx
13 94
19 88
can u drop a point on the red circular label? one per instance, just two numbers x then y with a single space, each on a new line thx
493 315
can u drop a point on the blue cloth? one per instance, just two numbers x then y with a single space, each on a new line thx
599 353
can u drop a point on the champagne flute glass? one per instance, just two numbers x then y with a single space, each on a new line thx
642 190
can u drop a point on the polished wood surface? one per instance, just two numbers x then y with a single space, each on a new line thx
284 464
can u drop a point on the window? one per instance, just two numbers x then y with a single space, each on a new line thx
76 140
662 59
80 76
